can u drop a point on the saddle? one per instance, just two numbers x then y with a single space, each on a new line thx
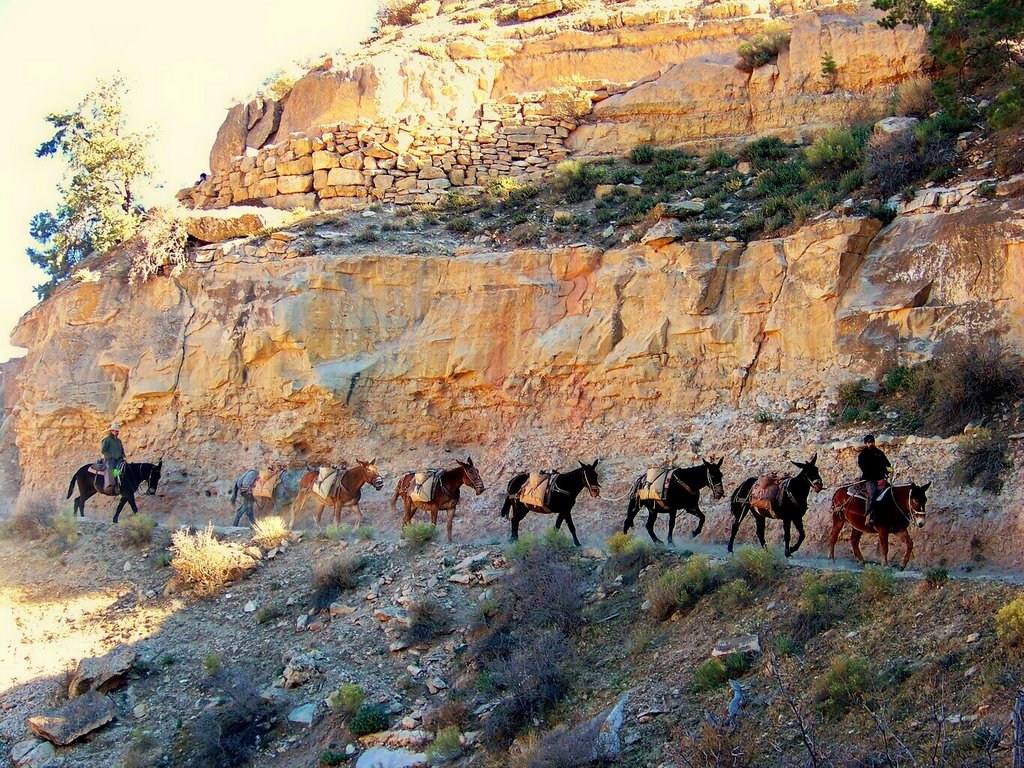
766 494
424 483
537 489
325 480
266 483
100 466
655 484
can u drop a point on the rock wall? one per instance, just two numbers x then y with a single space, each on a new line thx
525 358
401 164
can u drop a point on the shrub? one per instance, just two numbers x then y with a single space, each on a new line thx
1010 624
719 159
347 699
163 559
427 619
397 13
894 162
846 680
142 752
763 47
331 756
64 531
510 191
368 234
578 179
758 565
735 595
432 50
683 586
269 532
629 554
162 240
877 583
458 202
837 150
32 519
619 543
447 745
1007 109
915 98
369 718
137 531
818 608
419 534
935 576
829 71
715 672
211 664
764 152
204 563
641 640
332 578
982 461
641 154
267 612
450 714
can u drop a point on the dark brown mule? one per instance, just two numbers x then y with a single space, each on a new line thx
346 491
445 493
896 510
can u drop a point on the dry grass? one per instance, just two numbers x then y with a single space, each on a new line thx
914 97
427 619
332 578
269 532
32 519
137 531
205 564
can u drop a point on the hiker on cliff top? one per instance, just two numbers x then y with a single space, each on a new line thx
113 454
874 468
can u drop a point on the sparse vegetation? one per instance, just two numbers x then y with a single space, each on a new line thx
915 97
763 47
982 460
936 576
267 612
447 745
1010 625
137 531
682 586
211 664
847 679
32 519
715 672
269 532
162 240
759 566
419 534
65 532
427 619
204 563
877 583
333 578
347 699
369 718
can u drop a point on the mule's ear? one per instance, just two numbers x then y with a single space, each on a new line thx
797 463
814 459
925 486
594 465
469 460
160 463
719 465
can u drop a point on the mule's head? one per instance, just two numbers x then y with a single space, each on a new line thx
590 478
810 471
918 501
714 470
371 473
471 475
154 478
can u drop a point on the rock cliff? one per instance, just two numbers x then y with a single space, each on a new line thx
528 357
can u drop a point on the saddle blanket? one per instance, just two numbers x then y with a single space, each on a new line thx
424 484
266 483
325 480
536 491
766 494
654 484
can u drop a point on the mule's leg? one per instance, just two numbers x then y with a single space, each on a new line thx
652 517
700 522
572 528
297 504
250 505
735 528
910 548
798 523
120 506
855 544
518 513
760 530
433 517
883 545
238 513
451 519
630 516
359 515
785 537
838 521
409 511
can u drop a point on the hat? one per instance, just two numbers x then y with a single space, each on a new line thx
869 438
115 427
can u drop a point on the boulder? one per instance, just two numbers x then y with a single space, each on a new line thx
263 118
743 644
230 141
664 232
540 10
379 757
894 126
595 742
32 753
229 223
102 674
70 722
304 714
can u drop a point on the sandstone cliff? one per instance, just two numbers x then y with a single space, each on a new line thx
526 358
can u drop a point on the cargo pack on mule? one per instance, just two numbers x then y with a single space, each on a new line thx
434 490
549 493
670 489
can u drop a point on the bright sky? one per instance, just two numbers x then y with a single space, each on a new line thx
186 63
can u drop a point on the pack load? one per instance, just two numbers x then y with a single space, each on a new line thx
424 483
266 483
654 485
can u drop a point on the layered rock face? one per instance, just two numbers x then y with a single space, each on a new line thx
525 358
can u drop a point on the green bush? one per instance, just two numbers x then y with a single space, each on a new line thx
447 745
719 159
877 583
331 756
211 664
347 699
369 718
418 534
935 576
332 578
578 179
682 586
763 47
982 461
836 150
846 680
64 532
758 565
511 192
1006 109
137 531
1010 625
715 672
641 154
735 595
764 152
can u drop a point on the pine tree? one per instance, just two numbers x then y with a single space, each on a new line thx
98 209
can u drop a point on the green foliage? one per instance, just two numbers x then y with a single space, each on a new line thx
104 161
716 672
137 531
347 699
877 583
837 150
369 718
765 416
511 192
847 679
682 586
64 532
786 646
719 159
829 71
642 154
458 202
936 576
735 595
578 179
641 640
211 664
163 559
982 461
763 47
461 224
331 756
758 565
1010 625
268 612
1006 109
764 152
419 534
447 745
332 578
897 379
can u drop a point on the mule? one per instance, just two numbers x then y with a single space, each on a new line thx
561 498
790 509
346 491
445 493
682 491
132 476
896 510
284 493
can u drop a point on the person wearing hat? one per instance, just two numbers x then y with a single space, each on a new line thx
113 453
874 467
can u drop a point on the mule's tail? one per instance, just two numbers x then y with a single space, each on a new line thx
394 497
515 485
71 487
741 496
633 507
507 506
234 492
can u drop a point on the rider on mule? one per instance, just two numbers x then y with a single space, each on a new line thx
113 454
874 468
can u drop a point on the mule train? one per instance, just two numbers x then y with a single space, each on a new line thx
662 489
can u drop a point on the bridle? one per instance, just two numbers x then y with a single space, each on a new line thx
910 514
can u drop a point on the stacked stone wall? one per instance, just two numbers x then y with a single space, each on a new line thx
343 164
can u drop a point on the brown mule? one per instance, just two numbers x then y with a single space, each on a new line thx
895 511
346 491
444 494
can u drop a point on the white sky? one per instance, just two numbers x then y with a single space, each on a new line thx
186 62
